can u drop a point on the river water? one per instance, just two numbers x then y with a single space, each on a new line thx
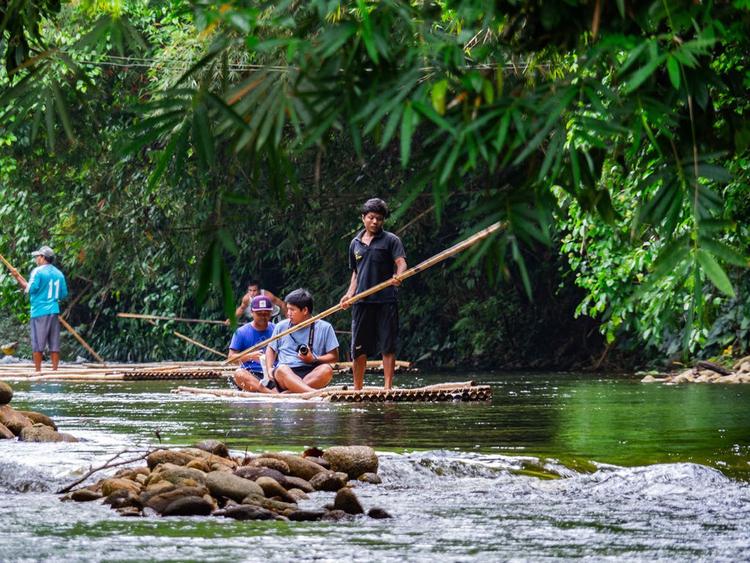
557 466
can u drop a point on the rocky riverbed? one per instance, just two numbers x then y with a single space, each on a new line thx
27 426
707 372
207 481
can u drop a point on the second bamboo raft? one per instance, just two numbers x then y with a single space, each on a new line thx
148 372
466 391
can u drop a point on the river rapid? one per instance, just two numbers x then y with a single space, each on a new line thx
556 467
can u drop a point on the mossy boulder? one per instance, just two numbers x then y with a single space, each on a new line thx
352 460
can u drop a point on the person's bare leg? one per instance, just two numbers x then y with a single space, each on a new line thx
248 382
389 366
37 356
358 369
55 359
319 377
316 379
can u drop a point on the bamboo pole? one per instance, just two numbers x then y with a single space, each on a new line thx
370 364
164 318
337 390
251 395
81 341
63 322
196 343
447 253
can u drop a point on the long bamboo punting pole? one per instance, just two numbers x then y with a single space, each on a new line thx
164 318
63 322
447 253
196 343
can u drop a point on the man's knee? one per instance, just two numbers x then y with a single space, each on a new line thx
245 380
321 375
282 373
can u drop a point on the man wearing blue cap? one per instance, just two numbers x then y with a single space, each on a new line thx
249 376
46 287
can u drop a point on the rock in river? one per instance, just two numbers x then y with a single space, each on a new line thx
6 393
352 460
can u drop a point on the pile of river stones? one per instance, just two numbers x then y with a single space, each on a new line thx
27 426
206 481
740 373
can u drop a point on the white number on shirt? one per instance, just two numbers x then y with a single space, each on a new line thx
54 287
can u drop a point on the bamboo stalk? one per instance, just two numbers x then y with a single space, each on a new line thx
370 364
437 258
78 376
250 394
367 392
196 343
164 318
63 322
81 341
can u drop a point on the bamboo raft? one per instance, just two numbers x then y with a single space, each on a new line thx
466 391
147 372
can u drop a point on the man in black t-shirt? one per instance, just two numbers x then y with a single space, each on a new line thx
375 256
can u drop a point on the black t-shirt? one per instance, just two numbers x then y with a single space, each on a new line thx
375 263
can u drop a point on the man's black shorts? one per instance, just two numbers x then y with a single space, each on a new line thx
299 371
374 329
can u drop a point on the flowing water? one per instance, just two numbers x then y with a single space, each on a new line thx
557 466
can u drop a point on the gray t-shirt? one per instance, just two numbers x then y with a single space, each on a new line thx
324 341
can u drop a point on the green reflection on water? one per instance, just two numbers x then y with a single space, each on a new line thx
629 423
571 417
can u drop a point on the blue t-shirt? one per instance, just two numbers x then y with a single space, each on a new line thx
46 287
286 347
246 337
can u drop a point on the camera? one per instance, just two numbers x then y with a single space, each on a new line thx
303 349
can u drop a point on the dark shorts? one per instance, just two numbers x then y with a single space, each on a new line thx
45 332
374 329
299 371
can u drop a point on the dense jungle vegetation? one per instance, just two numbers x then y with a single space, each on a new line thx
170 151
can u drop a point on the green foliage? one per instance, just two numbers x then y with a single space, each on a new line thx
623 132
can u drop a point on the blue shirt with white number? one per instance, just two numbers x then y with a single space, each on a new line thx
46 287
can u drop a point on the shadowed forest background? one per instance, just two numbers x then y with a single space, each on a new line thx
172 151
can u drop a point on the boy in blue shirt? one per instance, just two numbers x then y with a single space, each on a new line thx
304 356
46 287
250 375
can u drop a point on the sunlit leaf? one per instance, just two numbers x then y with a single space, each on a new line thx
714 271
407 129
438 96
673 68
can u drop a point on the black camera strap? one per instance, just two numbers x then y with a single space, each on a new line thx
310 337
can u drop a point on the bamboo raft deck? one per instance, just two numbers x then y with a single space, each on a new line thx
146 371
466 391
